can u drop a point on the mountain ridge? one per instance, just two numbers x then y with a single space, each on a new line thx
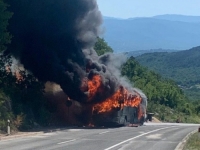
176 17
151 33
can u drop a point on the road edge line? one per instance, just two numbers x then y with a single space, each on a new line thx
181 144
111 147
72 140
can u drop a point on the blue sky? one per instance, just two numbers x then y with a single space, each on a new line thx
148 8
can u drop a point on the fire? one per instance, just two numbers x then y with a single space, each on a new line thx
93 85
18 76
140 112
118 100
8 69
90 125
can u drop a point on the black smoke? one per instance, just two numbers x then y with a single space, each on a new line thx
49 37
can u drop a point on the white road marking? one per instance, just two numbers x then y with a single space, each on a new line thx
67 141
104 132
134 138
74 130
154 136
170 124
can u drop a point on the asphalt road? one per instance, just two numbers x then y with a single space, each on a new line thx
151 136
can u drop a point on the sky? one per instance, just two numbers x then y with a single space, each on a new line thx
148 8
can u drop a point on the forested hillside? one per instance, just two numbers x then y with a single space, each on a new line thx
165 98
182 67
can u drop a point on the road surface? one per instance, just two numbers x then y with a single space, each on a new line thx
151 136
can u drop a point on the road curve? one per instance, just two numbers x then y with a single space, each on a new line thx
151 136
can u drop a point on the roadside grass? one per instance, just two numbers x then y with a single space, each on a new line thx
193 142
166 114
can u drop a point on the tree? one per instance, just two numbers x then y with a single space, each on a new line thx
5 37
157 89
101 47
197 109
24 93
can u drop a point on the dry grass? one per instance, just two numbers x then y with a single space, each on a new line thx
193 143
154 119
19 120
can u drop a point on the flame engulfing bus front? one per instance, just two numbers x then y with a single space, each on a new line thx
123 108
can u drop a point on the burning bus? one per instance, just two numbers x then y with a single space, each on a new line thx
126 116
123 108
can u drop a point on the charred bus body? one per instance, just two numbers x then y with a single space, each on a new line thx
131 115
124 116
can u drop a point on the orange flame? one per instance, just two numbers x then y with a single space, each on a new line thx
118 100
8 69
140 112
121 98
90 125
93 85
18 76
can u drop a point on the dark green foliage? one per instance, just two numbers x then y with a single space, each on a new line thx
168 114
157 89
183 67
197 107
25 95
165 98
101 47
5 37
5 101
5 110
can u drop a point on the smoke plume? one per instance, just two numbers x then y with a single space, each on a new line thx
48 38
53 39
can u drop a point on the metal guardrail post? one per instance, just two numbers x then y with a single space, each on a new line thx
8 127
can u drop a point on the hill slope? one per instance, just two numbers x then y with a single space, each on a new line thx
182 66
152 33
165 98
